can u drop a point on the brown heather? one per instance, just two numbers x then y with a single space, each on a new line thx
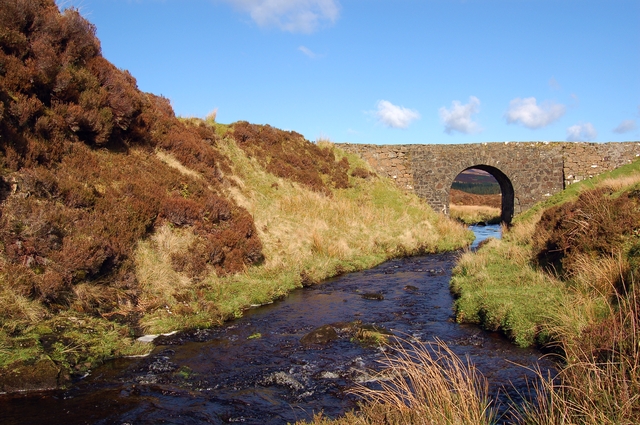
81 176
594 225
288 155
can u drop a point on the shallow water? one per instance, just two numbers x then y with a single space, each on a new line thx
485 232
256 370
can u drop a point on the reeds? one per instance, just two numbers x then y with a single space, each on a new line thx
422 384
426 383
600 382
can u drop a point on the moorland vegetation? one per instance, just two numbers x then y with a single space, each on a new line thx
118 218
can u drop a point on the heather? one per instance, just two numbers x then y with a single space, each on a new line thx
118 218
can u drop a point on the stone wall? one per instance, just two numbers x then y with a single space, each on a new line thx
585 160
527 171
392 161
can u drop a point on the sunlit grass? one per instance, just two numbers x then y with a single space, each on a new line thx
473 214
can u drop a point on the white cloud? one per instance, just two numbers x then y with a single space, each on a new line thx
395 116
307 52
553 83
458 117
625 126
303 16
581 132
528 113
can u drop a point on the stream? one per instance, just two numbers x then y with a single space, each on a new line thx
269 367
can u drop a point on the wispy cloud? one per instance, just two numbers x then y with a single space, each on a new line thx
554 84
308 52
458 117
581 132
395 116
625 126
301 16
531 115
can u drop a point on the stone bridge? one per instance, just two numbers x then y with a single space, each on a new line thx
527 172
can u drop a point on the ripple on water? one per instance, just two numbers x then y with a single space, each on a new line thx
222 375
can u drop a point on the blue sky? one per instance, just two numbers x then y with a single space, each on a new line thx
388 71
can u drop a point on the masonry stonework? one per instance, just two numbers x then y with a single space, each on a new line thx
527 172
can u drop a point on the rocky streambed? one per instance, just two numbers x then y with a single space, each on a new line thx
285 361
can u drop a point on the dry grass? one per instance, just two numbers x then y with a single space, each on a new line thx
423 383
429 384
596 386
472 214
522 232
154 271
172 162
618 183
211 116
18 312
293 219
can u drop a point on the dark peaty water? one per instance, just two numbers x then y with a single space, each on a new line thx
256 370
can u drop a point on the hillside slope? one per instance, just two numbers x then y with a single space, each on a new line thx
118 218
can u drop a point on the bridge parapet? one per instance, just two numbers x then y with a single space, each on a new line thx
585 160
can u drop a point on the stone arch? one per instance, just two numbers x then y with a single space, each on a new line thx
506 188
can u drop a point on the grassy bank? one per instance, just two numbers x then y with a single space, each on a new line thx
474 214
306 236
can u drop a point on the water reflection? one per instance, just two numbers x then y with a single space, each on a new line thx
484 232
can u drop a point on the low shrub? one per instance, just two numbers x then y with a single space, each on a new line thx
595 225
288 155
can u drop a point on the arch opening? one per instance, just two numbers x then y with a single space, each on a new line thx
484 183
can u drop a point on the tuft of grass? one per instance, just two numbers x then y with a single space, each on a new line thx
423 383
600 383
